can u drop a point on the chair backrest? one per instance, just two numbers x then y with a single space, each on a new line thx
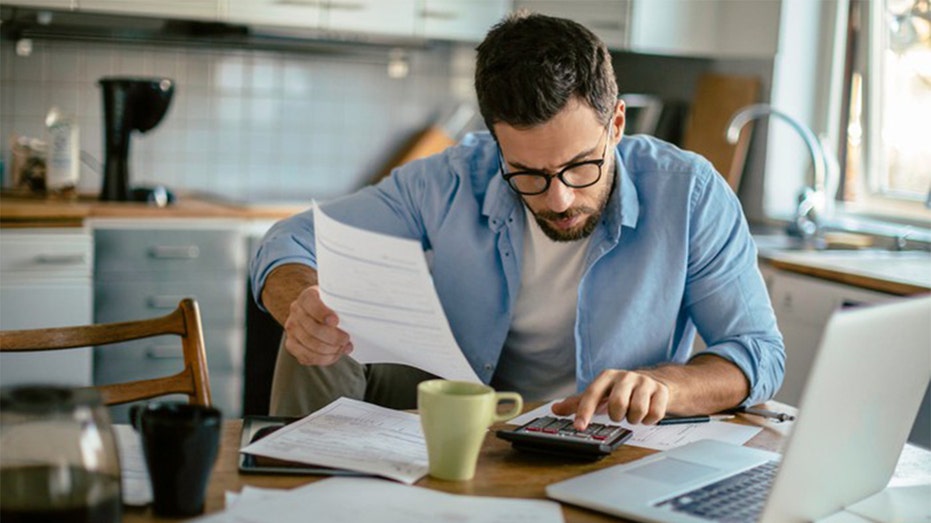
183 321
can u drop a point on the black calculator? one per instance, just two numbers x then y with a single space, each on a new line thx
551 435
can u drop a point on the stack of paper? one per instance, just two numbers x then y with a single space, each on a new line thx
354 435
350 500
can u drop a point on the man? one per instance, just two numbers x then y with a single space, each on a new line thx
572 262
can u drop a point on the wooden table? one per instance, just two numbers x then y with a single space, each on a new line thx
501 471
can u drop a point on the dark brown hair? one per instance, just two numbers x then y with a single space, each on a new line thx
530 65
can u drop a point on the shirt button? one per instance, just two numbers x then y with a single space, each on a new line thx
489 366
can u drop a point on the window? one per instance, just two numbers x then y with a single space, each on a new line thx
886 129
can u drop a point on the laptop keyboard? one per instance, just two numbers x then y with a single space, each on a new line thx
738 498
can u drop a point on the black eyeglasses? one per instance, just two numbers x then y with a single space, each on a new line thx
576 175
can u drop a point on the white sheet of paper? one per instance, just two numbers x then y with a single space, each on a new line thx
349 500
382 290
661 437
896 505
351 434
134 474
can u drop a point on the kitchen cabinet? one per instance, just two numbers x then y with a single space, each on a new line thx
701 28
46 275
294 13
609 19
49 4
183 9
706 28
803 306
144 268
375 17
380 17
464 20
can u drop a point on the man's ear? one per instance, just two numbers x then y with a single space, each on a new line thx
619 121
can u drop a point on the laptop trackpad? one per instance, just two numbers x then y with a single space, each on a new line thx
672 471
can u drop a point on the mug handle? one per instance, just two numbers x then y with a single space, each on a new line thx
515 410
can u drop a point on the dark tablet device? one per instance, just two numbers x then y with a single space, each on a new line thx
556 436
255 428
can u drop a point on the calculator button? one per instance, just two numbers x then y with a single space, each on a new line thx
555 426
538 424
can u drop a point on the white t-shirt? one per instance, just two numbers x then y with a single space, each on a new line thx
538 359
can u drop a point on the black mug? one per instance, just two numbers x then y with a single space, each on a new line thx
180 442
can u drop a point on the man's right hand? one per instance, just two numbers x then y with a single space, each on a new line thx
313 336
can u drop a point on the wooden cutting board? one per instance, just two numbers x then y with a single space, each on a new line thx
717 98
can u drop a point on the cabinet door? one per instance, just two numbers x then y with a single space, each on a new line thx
33 305
708 28
185 9
463 20
606 18
51 4
803 306
46 282
386 17
289 13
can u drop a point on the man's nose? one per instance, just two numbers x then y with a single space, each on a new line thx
559 197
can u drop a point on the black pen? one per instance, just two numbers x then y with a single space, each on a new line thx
771 414
676 420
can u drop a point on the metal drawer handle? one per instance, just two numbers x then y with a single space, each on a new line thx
346 6
164 352
174 252
60 259
437 14
299 3
165 302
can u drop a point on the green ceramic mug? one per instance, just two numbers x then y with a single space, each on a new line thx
455 416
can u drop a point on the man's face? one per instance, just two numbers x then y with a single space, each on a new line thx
573 135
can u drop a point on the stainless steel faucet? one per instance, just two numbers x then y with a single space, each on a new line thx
813 201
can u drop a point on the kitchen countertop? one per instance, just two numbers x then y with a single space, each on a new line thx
22 210
894 272
900 273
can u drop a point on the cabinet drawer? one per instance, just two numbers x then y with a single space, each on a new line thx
180 254
46 254
162 355
220 303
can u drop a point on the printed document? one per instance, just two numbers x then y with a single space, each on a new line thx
134 473
354 435
382 290
349 500
661 437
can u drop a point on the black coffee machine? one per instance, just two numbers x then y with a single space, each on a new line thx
129 104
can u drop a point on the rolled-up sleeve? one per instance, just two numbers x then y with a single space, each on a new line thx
289 241
726 296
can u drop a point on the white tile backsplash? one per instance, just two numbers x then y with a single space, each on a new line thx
242 124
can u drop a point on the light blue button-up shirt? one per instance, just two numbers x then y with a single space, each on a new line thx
672 253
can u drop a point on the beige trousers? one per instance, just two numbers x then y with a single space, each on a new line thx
298 390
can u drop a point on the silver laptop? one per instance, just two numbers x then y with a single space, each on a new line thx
860 401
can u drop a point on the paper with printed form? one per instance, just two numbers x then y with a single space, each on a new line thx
661 437
382 290
354 435
350 500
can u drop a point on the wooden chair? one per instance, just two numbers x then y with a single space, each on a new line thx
183 321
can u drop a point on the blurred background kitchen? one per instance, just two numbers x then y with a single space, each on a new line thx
276 103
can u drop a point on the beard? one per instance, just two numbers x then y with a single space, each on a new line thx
559 235
584 230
